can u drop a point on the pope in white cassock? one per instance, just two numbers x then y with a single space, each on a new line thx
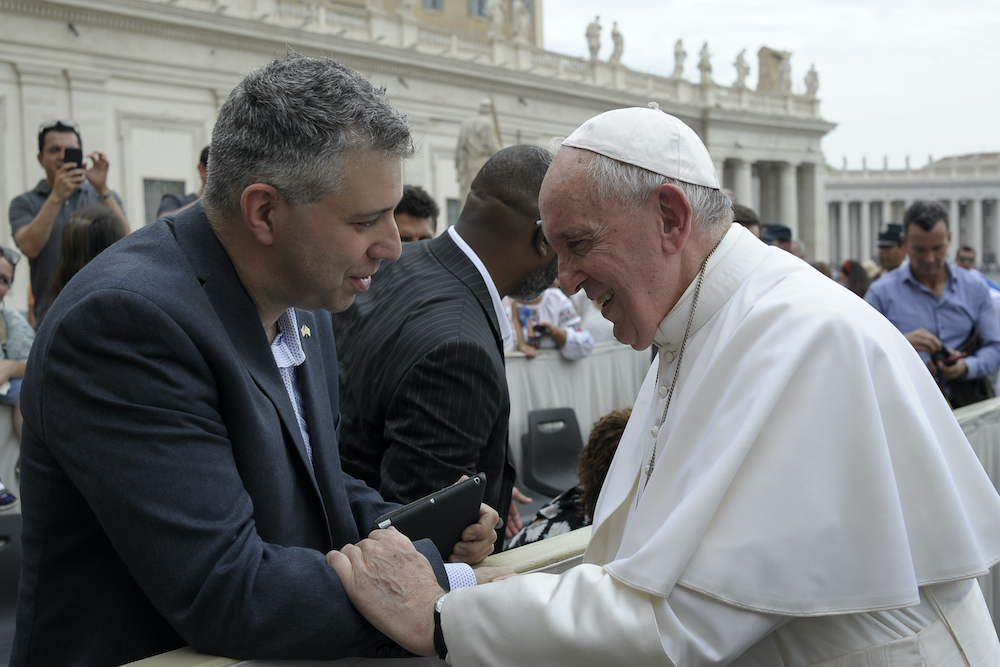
791 489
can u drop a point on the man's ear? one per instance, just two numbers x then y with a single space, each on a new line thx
261 204
539 243
675 217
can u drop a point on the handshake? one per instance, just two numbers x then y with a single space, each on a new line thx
393 585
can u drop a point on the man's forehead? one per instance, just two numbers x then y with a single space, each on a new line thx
56 137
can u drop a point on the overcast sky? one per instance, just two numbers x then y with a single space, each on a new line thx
913 77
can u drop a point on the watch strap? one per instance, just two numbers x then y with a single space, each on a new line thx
439 645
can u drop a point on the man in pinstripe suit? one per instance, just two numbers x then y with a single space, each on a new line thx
423 388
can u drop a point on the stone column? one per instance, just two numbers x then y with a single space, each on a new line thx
743 182
814 226
865 230
976 228
38 87
720 170
953 228
844 220
788 200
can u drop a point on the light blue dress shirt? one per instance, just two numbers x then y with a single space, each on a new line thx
965 303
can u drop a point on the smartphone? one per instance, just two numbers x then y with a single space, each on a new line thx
73 155
440 516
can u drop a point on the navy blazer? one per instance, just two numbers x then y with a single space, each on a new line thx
167 495
423 384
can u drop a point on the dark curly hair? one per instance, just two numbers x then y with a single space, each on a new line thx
595 458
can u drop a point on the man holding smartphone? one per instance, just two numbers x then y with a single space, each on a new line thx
37 217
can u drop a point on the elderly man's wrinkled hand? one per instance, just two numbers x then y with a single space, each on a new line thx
478 539
392 585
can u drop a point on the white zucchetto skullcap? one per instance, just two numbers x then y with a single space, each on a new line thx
651 139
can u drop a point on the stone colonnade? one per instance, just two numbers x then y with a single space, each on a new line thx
785 192
855 224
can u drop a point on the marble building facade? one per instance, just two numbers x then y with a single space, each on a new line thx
860 201
145 79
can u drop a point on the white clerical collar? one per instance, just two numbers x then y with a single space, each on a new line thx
721 280
505 330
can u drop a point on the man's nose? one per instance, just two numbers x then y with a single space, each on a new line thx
388 246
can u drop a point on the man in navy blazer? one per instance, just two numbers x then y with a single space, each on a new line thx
180 469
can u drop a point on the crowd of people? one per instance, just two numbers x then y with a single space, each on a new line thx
218 407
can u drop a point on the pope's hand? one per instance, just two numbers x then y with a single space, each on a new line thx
478 539
392 585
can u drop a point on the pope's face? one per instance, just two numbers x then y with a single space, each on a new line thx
331 248
611 253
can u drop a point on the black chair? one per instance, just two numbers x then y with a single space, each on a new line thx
549 450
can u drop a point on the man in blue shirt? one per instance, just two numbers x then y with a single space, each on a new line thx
938 305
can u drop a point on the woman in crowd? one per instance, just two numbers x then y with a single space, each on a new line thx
854 277
16 337
574 508
89 230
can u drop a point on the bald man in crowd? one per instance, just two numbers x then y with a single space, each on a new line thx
423 386
791 489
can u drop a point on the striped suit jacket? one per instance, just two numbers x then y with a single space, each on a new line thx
423 387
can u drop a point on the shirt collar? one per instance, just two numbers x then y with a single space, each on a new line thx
912 279
505 330
286 348
725 271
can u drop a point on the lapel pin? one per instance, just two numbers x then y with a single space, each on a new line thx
305 331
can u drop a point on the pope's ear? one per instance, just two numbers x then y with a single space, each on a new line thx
675 217
259 204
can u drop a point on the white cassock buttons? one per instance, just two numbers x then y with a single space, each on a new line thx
653 431
663 391
669 356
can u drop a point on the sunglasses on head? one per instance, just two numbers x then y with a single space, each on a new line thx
11 256
59 122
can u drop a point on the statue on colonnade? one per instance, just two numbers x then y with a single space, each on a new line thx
594 37
812 81
679 55
521 22
495 11
742 71
478 139
619 42
705 64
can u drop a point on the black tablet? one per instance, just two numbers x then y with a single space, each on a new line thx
441 516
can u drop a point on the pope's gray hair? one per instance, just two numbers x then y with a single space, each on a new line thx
631 186
290 123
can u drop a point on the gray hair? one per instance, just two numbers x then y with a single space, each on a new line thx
631 186
290 123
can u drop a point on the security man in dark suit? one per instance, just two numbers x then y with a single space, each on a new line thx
423 387
181 478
